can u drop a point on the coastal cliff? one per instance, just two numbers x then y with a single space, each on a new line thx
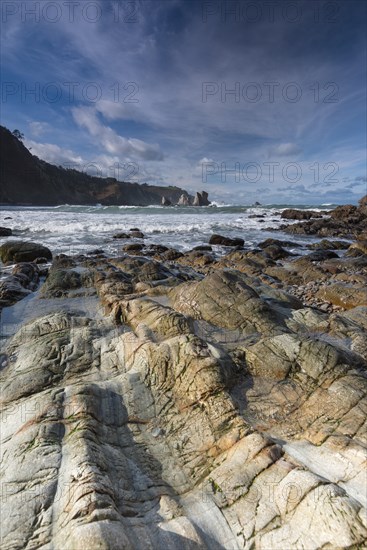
28 180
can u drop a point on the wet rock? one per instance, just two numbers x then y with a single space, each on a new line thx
122 236
277 242
22 282
325 244
294 214
137 234
276 252
5 232
225 241
201 199
22 251
134 247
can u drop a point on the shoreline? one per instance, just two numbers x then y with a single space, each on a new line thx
170 391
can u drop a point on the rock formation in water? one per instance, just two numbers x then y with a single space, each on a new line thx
201 199
194 403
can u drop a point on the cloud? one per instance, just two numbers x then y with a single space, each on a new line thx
110 141
54 154
38 128
285 150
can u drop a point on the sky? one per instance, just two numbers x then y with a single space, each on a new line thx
250 100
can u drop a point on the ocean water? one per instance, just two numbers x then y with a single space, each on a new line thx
76 229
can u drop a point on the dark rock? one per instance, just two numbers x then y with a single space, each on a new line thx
276 252
166 202
8 218
23 280
171 255
321 255
134 229
5 232
325 244
225 241
253 216
134 247
201 199
41 260
270 242
23 251
122 236
137 234
294 214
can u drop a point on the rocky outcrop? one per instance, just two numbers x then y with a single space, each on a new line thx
344 221
225 241
201 199
13 252
184 200
5 232
166 202
294 214
148 404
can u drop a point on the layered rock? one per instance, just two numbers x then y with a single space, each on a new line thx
201 411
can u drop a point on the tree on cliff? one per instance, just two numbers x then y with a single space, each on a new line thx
17 134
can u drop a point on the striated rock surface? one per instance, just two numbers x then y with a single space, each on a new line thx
153 404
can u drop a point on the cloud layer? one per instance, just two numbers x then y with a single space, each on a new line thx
167 85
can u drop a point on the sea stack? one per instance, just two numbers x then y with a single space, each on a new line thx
183 200
201 199
165 201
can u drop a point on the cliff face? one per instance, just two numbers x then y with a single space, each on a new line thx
28 180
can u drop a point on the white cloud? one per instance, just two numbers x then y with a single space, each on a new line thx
110 141
38 128
285 150
54 154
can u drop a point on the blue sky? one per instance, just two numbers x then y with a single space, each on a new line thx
248 100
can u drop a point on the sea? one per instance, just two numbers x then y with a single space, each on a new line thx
73 229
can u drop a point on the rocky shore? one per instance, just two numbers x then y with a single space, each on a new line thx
187 400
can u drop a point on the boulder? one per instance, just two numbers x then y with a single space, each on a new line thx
5 232
137 234
122 236
294 214
23 251
225 241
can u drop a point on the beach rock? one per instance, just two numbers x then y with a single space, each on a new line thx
325 244
22 251
22 282
122 236
361 246
294 214
211 412
276 252
5 232
134 247
137 234
225 241
345 295
270 242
